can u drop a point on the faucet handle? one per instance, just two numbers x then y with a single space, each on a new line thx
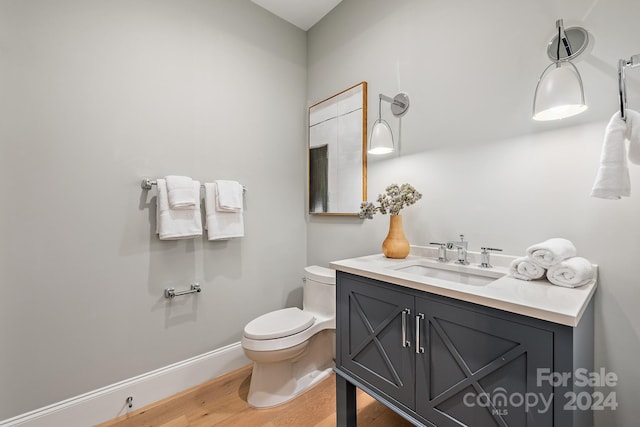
442 251
484 256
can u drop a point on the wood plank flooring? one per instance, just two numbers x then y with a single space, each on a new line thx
223 402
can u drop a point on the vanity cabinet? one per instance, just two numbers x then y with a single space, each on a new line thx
438 361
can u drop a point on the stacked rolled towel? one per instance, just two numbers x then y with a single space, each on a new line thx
571 273
551 251
556 258
524 268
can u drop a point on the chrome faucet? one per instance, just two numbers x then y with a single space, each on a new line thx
461 246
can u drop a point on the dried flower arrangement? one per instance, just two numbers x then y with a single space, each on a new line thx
396 198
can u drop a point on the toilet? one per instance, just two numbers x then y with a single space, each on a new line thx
292 350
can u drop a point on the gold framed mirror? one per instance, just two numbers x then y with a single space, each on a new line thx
337 153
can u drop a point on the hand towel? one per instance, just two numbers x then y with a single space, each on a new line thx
174 224
229 196
571 273
180 192
633 135
220 225
612 180
524 268
551 251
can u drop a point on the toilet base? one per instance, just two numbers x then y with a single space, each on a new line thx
276 382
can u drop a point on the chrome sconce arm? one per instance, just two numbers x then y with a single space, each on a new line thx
399 104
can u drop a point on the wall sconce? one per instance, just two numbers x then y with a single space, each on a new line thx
381 141
559 92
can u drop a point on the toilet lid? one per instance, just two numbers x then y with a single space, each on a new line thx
278 324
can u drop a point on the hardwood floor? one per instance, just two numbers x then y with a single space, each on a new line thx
223 402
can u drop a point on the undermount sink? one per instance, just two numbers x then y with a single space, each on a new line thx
440 271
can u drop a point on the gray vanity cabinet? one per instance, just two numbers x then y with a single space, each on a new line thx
442 362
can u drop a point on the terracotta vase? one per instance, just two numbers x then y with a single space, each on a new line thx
396 244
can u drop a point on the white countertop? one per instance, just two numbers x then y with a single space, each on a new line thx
537 298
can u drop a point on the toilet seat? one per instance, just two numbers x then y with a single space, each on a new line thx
278 324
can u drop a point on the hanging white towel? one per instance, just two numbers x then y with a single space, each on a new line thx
229 196
633 135
524 268
174 224
220 225
551 251
181 193
612 180
571 273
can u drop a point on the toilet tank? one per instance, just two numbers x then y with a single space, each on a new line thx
319 294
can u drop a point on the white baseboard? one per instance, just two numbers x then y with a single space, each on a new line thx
110 402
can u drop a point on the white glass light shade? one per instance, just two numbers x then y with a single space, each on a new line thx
559 93
381 141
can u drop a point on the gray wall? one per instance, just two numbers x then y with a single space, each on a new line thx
95 95
469 145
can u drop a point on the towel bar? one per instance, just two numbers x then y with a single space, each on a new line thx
171 292
632 62
147 183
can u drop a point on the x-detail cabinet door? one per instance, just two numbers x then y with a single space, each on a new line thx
375 337
480 370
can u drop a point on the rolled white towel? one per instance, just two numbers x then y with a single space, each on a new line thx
551 251
571 273
524 268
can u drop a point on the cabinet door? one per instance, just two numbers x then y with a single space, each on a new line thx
370 330
481 370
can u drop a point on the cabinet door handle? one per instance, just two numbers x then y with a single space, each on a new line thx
405 342
419 349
